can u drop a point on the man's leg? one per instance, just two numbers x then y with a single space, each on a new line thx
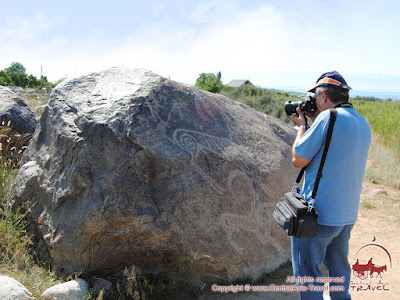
336 261
308 253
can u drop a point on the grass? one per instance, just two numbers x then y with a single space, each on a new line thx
13 241
384 118
12 145
367 205
384 154
36 100
383 164
16 259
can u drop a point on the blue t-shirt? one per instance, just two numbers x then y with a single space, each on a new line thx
338 194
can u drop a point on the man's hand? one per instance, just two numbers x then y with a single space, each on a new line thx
312 115
300 118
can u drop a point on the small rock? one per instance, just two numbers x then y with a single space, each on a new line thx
71 290
373 192
101 284
11 289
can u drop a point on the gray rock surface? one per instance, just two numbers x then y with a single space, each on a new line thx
71 290
127 167
12 289
13 108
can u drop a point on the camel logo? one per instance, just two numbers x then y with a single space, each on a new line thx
379 253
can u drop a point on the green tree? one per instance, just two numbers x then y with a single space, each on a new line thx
44 82
17 72
22 80
32 81
210 82
5 79
15 68
16 75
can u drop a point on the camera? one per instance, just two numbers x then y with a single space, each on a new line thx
307 105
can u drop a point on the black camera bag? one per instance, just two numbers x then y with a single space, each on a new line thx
294 214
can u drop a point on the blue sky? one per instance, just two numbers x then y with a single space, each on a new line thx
273 43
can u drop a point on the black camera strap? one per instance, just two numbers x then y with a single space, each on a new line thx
323 158
326 147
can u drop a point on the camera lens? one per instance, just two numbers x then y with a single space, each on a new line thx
307 105
290 107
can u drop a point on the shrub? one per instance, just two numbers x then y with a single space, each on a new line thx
209 82
268 101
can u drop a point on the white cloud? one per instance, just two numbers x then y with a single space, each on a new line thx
255 41
265 43
30 41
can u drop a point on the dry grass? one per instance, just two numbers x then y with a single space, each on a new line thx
12 145
36 100
383 165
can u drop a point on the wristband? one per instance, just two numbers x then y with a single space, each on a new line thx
304 126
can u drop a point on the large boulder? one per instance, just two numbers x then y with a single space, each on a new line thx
15 111
127 167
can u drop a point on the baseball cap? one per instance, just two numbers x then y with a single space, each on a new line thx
332 78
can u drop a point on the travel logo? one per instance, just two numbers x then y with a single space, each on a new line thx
372 261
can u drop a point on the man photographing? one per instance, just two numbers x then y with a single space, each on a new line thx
339 190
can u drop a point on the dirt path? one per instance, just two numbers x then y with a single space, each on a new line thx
375 231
